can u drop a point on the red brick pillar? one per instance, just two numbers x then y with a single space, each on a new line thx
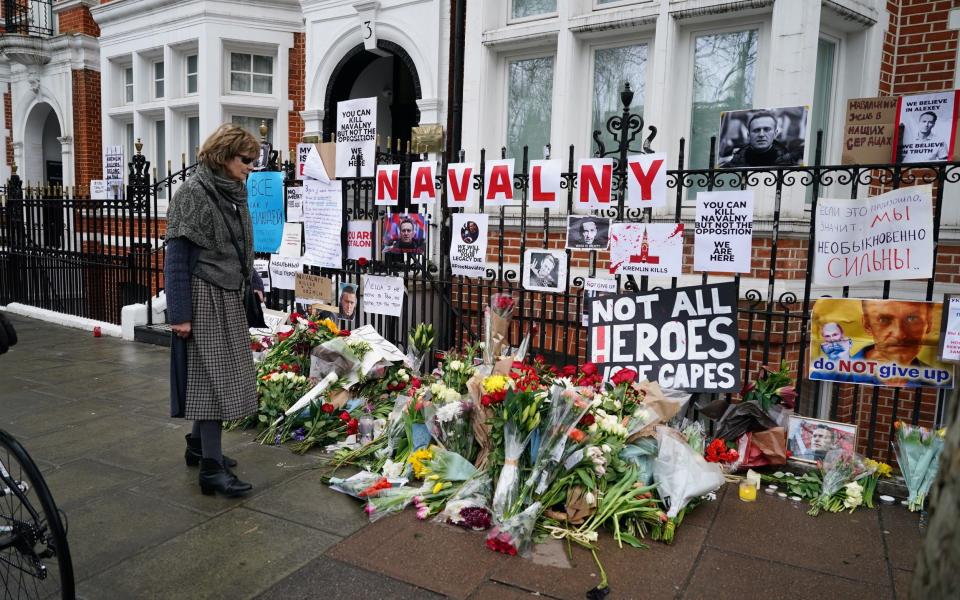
297 81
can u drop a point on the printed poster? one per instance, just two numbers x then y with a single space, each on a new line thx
468 249
404 233
929 126
356 137
869 130
646 249
545 270
546 188
683 338
383 295
460 192
723 232
885 237
322 223
265 200
294 205
892 343
359 240
950 329
588 233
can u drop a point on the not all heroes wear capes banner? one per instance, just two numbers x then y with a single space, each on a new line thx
684 338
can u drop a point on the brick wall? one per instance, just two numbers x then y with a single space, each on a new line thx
297 81
87 131
78 20
919 51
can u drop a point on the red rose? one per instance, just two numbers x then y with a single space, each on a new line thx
587 420
327 408
344 416
569 371
415 384
539 359
295 369
344 333
284 335
352 426
588 369
624 376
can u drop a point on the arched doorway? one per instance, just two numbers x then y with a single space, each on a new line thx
42 150
390 76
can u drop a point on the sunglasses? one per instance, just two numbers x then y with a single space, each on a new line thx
246 159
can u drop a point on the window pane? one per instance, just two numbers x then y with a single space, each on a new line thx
724 70
192 84
128 93
193 138
528 8
158 88
822 101
239 82
160 147
192 63
612 67
263 84
128 76
529 102
252 124
158 70
131 148
239 62
263 64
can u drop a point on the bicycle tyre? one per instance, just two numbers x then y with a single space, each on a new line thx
9 446
4 340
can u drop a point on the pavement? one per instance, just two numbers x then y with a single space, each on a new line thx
93 412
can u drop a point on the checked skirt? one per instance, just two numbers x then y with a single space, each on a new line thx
221 380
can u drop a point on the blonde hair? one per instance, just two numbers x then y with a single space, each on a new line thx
227 142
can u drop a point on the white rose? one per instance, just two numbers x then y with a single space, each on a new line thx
589 498
456 365
605 448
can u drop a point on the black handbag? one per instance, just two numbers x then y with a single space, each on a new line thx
251 304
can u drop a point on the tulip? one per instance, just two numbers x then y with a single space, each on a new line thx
788 395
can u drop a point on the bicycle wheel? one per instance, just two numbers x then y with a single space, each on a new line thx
34 554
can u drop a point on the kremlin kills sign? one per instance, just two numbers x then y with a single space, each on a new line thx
646 249
684 338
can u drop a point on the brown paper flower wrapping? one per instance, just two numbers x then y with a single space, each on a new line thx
578 509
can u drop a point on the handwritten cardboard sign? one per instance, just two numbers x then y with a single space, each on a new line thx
313 287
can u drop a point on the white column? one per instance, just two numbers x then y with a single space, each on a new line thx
66 157
312 121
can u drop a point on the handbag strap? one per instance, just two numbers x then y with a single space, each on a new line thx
241 255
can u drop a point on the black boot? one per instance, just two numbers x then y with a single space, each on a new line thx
214 477
194 453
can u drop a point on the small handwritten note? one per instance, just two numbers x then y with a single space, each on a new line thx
383 295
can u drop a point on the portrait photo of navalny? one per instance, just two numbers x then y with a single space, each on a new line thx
588 233
767 137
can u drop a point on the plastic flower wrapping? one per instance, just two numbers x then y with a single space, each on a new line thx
838 470
918 452
514 535
469 506
681 474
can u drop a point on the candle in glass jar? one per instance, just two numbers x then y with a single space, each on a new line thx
365 429
748 491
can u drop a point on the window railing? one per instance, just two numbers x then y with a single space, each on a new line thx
28 17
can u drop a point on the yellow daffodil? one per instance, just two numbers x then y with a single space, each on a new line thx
417 460
438 487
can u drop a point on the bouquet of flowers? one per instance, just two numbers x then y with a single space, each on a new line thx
681 474
497 330
359 483
514 535
840 490
444 465
419 343
566 409
508 484
918 453
469 507
390 501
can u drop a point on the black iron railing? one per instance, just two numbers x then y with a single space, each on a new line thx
28 17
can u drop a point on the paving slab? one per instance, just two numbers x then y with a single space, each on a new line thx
705 512
110 530
307 500
903 539
492 590
34 422
844 544
325 577
657 572
84 480
719 575
152 453
236 555
901 583
445 560
89 437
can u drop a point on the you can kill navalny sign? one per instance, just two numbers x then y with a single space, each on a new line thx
684 338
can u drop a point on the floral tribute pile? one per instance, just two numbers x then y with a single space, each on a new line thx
495 441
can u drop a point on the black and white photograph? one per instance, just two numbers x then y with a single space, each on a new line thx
263 158
928 127
588 233
469 232
545 270
762 137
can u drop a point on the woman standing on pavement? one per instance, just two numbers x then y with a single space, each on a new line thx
209 257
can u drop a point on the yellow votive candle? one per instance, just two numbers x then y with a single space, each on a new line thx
748 491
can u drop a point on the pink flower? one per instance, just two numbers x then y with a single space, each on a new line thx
369 509
788 395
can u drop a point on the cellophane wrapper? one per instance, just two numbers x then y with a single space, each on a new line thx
353 485
515 535
918 453
508 484
566 409
469 507
681 474
390 501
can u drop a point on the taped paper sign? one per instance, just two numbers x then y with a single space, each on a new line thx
646 249
468 249
383 295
